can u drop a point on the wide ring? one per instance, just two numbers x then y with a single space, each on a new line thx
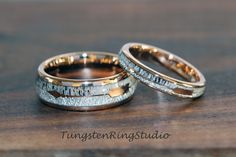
129 57
84 81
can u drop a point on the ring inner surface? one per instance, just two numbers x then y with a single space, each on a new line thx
153 58
84 66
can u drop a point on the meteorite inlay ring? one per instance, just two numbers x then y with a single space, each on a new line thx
131 55
84 81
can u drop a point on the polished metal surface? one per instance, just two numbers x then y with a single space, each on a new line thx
84 81
130 55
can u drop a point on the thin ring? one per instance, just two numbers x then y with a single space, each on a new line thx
129 59
59 85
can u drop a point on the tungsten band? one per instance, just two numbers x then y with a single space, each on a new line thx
84 81
131 54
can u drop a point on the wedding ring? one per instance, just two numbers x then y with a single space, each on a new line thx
84 81
131 55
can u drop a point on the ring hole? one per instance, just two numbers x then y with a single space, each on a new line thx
156 58
84 66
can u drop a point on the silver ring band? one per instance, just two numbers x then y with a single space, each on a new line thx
59 85
129 59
